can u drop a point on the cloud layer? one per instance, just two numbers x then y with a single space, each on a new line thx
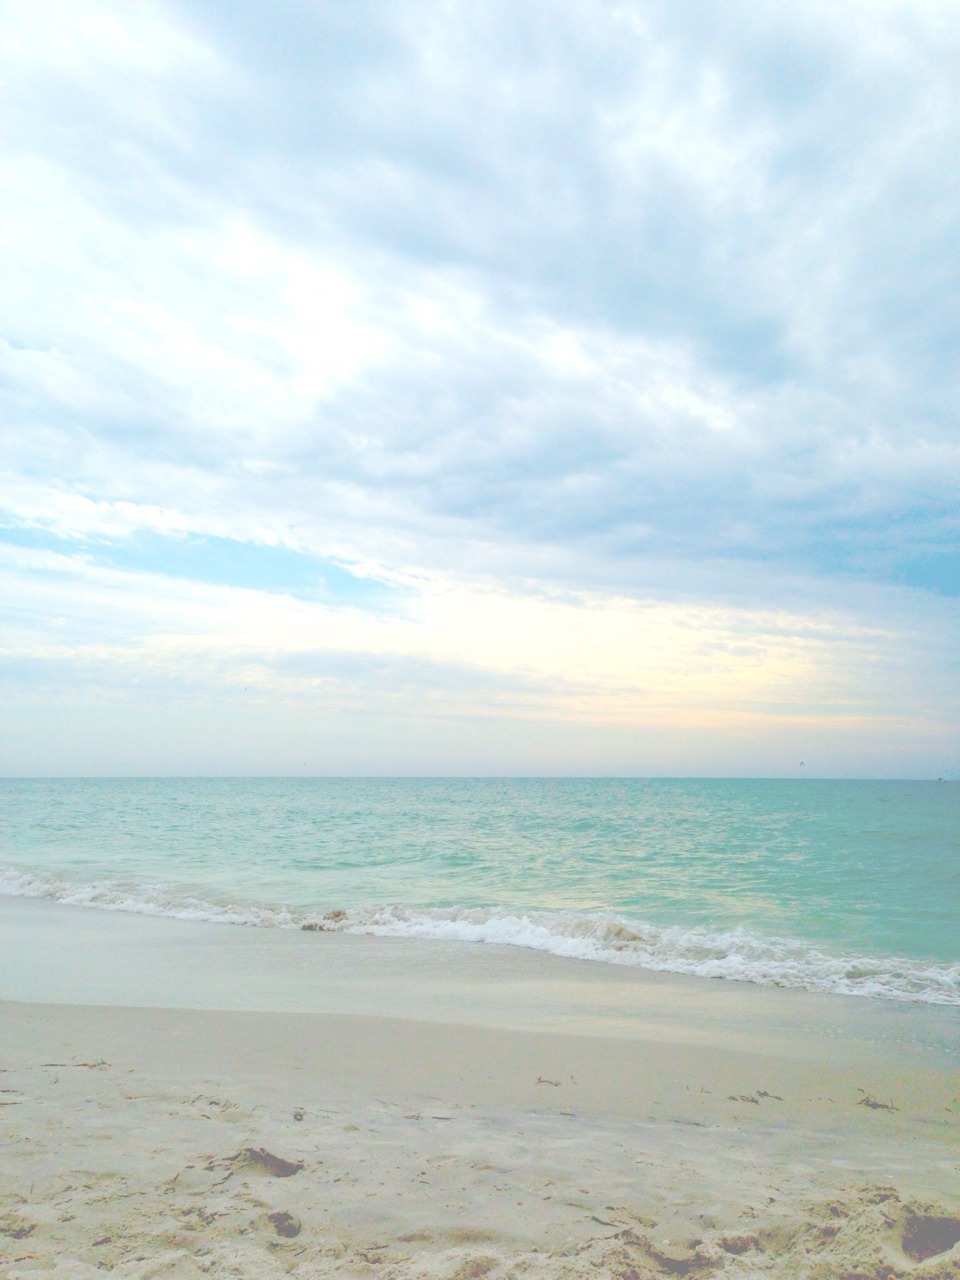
576 366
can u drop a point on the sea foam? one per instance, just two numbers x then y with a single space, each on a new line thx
600 937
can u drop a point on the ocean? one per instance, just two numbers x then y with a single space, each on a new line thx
843 887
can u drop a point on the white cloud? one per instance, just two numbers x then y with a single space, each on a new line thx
613 339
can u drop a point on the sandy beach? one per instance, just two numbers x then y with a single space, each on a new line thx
165 1142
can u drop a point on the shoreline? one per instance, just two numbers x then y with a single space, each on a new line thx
66 954
181 1099
787 963
182 1142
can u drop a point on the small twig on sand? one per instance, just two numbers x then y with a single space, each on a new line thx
873 1103
95 1066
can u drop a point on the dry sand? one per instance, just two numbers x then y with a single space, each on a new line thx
180 1143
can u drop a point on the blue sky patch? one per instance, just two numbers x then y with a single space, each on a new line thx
939 572
220 561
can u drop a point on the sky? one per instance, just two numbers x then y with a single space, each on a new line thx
423 387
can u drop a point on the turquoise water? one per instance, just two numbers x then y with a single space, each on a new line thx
842 886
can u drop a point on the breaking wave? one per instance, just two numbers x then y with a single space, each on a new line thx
603 937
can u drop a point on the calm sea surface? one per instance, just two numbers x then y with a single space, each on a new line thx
851 887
